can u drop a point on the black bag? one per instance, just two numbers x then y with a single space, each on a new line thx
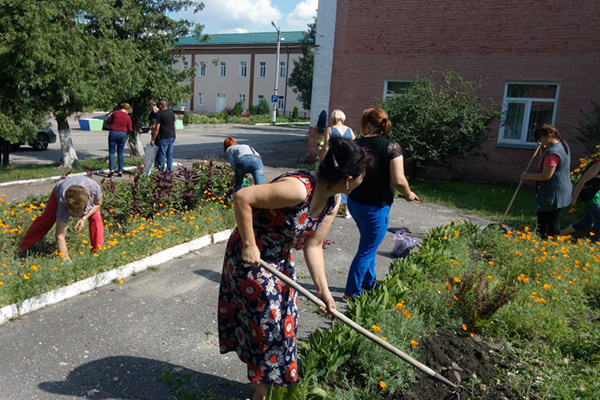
590 188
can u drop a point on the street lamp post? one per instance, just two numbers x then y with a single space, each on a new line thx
276 71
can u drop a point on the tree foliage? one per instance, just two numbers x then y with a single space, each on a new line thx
69 56
263 107
436 125
301 78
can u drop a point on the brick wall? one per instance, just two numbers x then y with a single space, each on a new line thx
549 41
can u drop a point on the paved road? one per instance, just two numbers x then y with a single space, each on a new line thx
194 142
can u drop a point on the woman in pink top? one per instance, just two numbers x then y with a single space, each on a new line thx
120 127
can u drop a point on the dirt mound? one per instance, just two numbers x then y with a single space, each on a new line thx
478 365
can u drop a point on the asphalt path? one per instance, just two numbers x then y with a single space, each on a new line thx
192 143
114 342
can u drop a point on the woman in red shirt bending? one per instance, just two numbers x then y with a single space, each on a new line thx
120 127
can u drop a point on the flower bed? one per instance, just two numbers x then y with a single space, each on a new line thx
505 314
141 217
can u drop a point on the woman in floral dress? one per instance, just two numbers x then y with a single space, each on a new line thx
257 312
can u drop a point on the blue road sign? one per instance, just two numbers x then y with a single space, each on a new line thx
274 98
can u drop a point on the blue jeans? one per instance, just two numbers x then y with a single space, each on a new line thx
590 221
165 150
116 142
248 164
372 223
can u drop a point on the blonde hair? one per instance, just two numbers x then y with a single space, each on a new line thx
126 107
337 115
77 198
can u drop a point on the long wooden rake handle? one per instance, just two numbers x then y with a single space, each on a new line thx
359 328
519 185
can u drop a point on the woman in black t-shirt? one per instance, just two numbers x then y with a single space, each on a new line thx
370 203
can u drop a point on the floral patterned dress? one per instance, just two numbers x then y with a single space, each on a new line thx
257 312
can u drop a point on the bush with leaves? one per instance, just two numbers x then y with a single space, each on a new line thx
436 125
237 109
163 191
263 106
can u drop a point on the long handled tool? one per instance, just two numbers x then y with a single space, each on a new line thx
360 329
520 183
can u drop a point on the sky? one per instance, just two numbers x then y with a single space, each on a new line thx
242 16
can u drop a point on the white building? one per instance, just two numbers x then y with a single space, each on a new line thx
241 66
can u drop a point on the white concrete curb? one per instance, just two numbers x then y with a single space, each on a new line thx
55 178
35 303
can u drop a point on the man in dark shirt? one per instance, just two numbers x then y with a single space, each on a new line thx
152 116
165 133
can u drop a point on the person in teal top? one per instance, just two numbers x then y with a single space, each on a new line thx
338 129
590 223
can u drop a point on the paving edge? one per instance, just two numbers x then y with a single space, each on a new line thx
57 177
35 303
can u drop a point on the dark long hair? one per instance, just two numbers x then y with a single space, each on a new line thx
549 130
344 158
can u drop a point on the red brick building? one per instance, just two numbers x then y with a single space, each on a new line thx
541 60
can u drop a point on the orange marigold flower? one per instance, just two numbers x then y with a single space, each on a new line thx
382 384
456 279
546 286
464 327
376 328
413 343
400 306
407 314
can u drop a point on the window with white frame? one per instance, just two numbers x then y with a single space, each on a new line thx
262 69
243 68
202 69
222 68
526 107
394 87
200 99
280 102
242 100
282 69
260 96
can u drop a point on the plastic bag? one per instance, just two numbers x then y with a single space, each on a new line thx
149 157
403 243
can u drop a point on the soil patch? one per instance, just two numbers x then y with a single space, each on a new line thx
480 370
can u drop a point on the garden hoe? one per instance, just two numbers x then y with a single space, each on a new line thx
519 186
361 330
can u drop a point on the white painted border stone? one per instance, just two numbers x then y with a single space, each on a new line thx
104 278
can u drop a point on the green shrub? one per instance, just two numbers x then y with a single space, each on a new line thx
263 107
437 125
295 113
252 109
237 109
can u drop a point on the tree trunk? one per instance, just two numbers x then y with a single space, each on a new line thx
135 144
4 149
68 157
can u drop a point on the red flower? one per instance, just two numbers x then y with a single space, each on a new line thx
256 333
225 309
255 374
225 346
275 216
288 326
292 372
251 289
